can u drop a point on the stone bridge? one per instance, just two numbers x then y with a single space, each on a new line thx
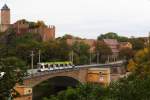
77 74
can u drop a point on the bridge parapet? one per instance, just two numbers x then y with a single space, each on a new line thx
78 74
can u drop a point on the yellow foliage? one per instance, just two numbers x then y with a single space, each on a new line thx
40 23
131 66
140 58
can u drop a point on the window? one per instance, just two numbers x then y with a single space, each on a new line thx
41 66
61 65
66 64
46 66
51 66
57 65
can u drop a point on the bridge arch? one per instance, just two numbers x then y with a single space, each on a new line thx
53 85
61 80
79 75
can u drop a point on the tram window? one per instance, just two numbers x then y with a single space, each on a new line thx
41 66
66 64
46 66
61 65
57 65
51 65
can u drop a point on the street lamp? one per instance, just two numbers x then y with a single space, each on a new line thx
39 56
97 57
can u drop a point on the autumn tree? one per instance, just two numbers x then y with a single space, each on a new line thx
126 53
141 62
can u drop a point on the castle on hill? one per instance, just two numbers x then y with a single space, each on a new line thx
23 26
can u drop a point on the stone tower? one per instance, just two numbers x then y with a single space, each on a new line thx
5 15
5 18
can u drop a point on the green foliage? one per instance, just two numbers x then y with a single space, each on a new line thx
55 51
82 92
109 35
81 52
15 71
137 43
22 45
103 51
131 88
112 35
67 36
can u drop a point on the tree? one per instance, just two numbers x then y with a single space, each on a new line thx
81 52
109 35
112 35
131 65
141 63
82 92
67 36
15 72
64 50
137 43
103 50
127 53
130 88
26 43
40 24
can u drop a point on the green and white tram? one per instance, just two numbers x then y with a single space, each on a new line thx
51 66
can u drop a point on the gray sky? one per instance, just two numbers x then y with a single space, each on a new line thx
86 18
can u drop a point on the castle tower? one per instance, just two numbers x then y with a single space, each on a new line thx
5 18
5 15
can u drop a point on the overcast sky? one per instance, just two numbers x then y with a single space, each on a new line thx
86 18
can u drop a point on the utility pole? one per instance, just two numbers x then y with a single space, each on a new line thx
90 57
72 56
39 56
69 56
149 45
149 40
32 57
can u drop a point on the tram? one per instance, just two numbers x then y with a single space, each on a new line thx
51 66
